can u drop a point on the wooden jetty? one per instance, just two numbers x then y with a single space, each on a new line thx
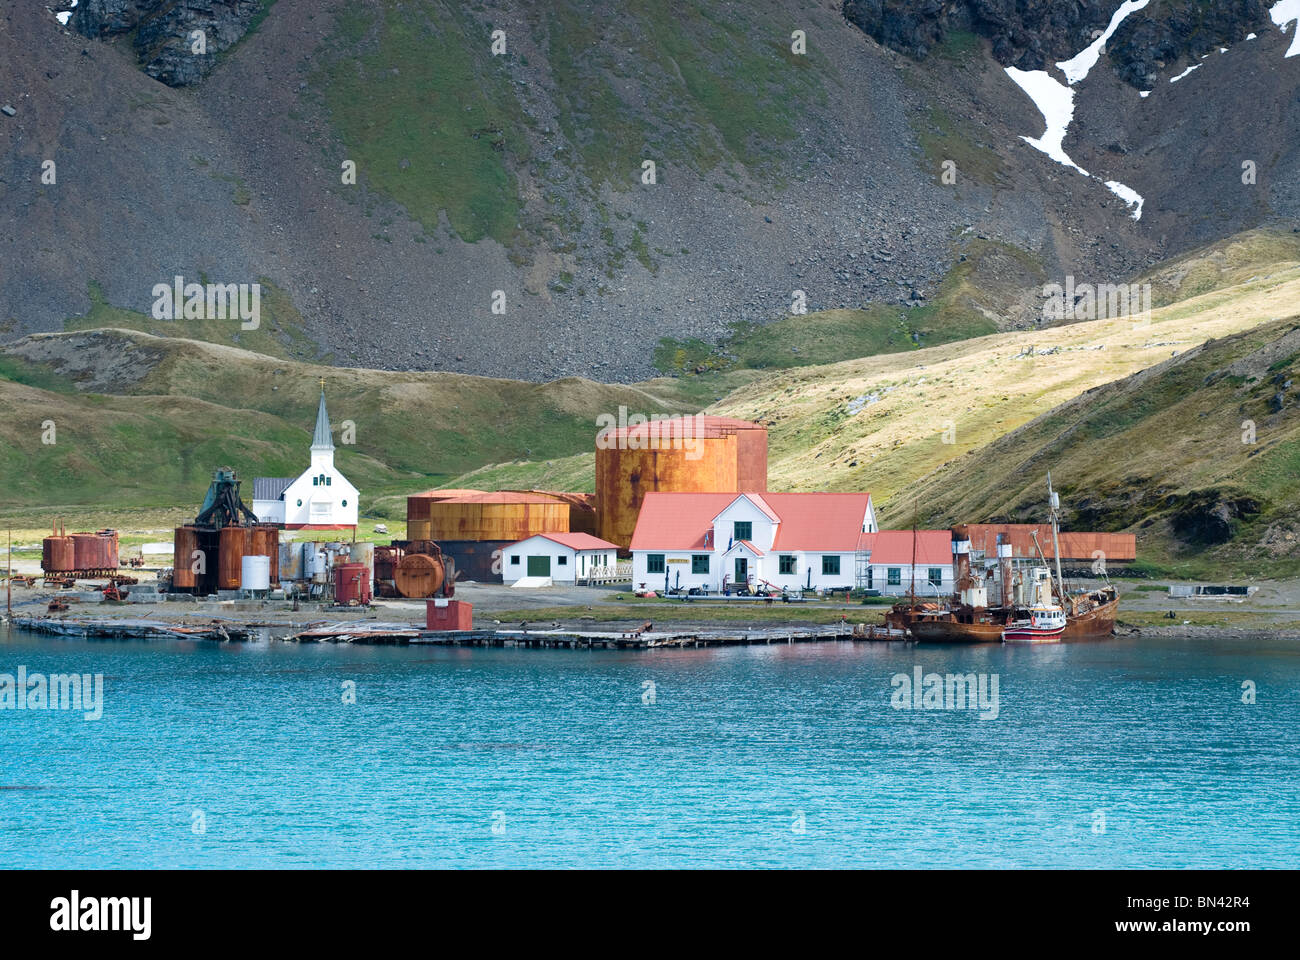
123 628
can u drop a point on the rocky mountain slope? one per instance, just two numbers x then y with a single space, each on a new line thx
516 178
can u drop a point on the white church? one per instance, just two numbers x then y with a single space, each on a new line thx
320 499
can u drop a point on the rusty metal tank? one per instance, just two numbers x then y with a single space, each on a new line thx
418 575
495 516
184 543
351 583
699 454
232 544
58 555
266 543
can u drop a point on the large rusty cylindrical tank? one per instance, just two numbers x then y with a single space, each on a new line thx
58 555
108 549
88 552
418 575
232 544
266 543
184 544
493 516
688 455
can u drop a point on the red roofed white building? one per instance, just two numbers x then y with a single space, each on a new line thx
718 541
563 557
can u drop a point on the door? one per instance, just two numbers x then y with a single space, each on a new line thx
539 566
742 571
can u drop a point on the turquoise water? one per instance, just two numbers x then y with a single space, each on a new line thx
758 756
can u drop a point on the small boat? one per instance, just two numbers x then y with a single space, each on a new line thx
1046 624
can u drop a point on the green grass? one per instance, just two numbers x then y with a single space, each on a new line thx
281 331
429 118
663 610
987 275
943 137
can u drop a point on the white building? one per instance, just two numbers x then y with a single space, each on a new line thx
320 499
719 541
564 557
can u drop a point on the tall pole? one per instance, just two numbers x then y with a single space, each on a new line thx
1054 502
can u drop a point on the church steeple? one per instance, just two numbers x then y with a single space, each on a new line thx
322 439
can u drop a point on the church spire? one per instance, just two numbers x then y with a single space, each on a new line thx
322 439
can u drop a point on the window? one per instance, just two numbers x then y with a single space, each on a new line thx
654 563
831 565
315 481
895 576
744 530
785 564
345 503
514 560
561 561
300 503
699 563
936 576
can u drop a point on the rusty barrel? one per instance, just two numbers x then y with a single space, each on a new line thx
233 544
351 582
184 544
418 575
58 555
266 543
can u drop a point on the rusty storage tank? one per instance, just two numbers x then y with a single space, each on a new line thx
185 542
89 553
582 509
495 516
58 555
232 544
351 583
418 575
110 548
266 543
700 454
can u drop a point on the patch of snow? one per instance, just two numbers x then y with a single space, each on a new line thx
1285 12
1184 73
1144 94
1077 67
63 16
1055 101
1128 195
1251 36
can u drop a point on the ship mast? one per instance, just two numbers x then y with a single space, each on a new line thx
1054 505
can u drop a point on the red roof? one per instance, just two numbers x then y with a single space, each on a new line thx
933 547
1078 545
575 541
808 521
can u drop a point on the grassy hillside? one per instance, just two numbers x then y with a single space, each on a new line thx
142 420
1200 455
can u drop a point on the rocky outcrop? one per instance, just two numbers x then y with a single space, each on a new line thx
1030 34
175 42
1166 32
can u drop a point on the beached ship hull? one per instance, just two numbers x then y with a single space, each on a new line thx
948 630
1097 622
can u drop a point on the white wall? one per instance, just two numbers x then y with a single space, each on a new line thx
333 494
577 563
269 511
768 566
